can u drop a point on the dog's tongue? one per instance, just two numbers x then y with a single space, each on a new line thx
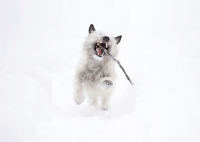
99 51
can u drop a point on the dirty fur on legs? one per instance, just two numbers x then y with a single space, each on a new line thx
95 75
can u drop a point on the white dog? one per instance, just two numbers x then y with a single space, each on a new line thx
95 74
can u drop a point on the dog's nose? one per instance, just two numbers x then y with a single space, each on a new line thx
106 38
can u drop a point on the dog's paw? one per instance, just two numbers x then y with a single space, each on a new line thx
105 106
79 99
108 83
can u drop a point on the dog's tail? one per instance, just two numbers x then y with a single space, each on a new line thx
78 91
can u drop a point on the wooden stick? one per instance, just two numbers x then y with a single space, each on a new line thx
119 66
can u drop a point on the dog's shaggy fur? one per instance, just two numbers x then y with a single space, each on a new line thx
95 75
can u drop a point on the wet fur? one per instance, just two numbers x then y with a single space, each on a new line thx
95 78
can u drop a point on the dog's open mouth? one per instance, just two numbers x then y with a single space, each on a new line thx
99 51
99 48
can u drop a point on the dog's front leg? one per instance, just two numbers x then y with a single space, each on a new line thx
78 91
107 82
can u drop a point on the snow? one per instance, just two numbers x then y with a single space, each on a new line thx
40 44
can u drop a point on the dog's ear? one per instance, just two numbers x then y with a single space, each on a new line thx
118 39
91 28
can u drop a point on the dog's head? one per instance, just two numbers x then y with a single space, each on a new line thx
97 42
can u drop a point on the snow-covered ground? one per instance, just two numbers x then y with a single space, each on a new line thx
40 43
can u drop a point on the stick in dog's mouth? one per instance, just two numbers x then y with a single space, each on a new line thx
99 47
104 46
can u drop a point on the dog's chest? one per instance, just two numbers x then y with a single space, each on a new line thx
94 72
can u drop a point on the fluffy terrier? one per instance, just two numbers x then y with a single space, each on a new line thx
95 74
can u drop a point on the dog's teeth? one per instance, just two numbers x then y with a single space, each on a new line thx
97 51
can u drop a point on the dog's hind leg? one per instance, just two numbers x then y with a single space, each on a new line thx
92 96
107 91
93 101
105 102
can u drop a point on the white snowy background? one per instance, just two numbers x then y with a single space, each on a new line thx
40 44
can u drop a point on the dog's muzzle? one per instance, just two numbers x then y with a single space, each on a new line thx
100 47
